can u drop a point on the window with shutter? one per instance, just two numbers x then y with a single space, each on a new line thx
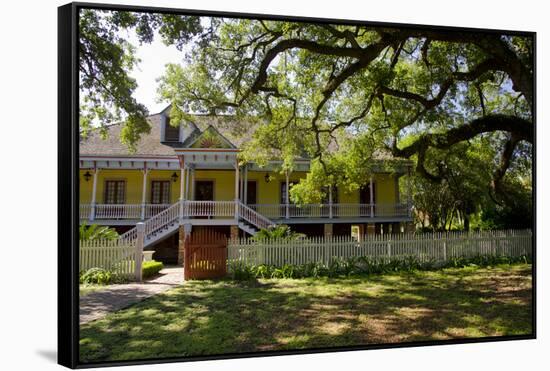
171 133
115 191
160 192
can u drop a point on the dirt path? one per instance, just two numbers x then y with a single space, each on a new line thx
98 304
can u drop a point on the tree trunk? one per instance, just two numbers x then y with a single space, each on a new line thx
466 222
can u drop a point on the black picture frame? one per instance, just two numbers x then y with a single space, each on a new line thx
68 191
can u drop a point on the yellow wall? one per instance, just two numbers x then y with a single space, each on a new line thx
224 185
134 184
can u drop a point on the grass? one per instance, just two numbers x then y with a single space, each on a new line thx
207 317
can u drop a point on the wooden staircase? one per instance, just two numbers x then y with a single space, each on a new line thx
167 222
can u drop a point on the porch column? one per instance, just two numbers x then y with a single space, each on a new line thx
241 186
236 189
409 192
371 198
144 190
286 198
192 185
187 176
245 196
330 201
183 179
94 190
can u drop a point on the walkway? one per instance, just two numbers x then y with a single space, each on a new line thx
98 304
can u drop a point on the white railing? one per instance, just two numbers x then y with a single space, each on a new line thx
121 211
155 223
154 209
209 208
85 210
272 211
124 211
227 209
253 217
435 247
279 211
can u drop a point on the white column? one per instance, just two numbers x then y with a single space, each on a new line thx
183 178
94 191
187 176
144 191
236 189
330 201
371 197
245 196
192 185
409 192
287 197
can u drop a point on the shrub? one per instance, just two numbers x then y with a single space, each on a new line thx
151 268
364 265
242 272
96 275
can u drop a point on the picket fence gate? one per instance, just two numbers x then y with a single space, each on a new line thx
437 247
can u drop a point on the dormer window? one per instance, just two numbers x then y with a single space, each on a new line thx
171 133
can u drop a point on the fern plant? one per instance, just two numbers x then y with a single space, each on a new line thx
96 232
277 232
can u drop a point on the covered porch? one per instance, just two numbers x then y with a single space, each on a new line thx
209 185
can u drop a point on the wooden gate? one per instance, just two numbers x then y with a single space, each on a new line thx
205 255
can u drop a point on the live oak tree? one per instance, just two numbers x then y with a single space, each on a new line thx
106 59
339 94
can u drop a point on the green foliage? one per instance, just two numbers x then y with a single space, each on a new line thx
279 231
514 211
96 232
341 95
242 272
151 268
107 60
487 261
100 276
363 266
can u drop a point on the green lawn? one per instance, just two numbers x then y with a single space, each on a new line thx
205 317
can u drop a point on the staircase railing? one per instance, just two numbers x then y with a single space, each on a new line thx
192 208
155 223
253 217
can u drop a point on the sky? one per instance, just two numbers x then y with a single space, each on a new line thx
154 57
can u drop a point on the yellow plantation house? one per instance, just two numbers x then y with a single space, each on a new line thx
187 177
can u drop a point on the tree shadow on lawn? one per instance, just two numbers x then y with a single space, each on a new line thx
205 317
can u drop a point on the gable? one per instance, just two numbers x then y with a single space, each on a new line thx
211 138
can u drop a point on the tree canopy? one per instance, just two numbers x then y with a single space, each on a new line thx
340 94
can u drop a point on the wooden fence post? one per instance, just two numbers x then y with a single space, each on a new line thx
140 227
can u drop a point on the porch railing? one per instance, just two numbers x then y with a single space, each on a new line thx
209 208
227 209
120 211
344 210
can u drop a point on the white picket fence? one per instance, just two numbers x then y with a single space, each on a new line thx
117 256
426 247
